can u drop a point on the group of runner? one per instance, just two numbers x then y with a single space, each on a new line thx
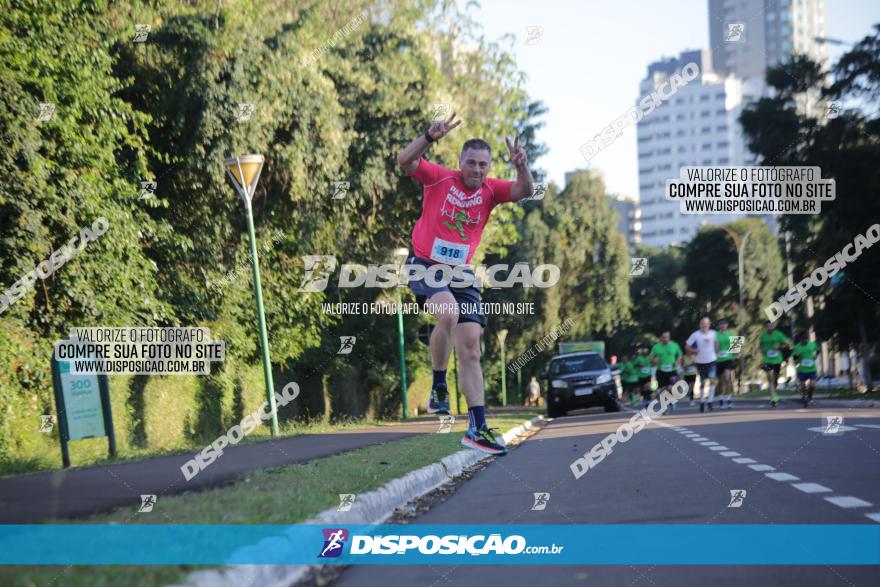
711 354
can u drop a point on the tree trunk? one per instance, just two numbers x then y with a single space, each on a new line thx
866 370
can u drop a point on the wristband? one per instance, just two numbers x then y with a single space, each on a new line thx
428 137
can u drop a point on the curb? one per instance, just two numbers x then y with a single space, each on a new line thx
370 509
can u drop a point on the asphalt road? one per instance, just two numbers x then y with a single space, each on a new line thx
668 476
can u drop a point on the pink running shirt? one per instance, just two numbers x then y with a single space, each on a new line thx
453 217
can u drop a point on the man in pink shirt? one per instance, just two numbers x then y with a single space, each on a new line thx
455 207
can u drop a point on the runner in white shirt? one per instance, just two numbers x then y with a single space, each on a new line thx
704 344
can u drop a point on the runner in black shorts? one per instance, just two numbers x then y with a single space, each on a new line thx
629 380
643 368
665 380
666 357
456 204
689 374
725 364
704 344
772 343
439 278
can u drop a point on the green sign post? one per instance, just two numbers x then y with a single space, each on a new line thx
83 406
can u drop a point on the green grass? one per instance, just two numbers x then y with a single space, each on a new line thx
846 393
284 495
763 393
93 451
832 393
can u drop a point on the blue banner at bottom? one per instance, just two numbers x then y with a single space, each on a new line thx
524 544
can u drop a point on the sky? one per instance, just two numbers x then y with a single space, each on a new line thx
588 63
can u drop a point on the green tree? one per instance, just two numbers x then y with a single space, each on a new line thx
711 271
659 302
574 229
60 174
840 135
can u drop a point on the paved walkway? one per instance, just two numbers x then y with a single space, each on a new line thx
71 493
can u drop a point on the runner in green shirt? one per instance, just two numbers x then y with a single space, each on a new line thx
804 352
642 365
772 341
726 366
629 379
666 357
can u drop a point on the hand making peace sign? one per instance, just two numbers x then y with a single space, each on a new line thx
440 128
517 154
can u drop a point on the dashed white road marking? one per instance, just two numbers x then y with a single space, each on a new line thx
762 468
848 501
810 487
843 501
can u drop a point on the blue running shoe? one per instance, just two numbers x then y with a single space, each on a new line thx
439 400
484 441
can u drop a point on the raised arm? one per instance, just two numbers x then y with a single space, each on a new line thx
408 158
524 186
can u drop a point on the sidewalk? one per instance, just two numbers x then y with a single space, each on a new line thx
70 493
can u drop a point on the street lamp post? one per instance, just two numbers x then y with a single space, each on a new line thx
244 172
502 336
519 386
740 249
401 255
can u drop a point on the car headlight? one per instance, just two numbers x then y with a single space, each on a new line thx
603 378
559 384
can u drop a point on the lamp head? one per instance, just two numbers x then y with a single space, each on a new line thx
244 171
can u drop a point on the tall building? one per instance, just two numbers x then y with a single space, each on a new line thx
696 126
747 36
629 225
699 125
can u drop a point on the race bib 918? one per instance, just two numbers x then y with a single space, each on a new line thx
449 253
807 362
772 353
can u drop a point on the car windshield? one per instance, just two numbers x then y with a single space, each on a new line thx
577 364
